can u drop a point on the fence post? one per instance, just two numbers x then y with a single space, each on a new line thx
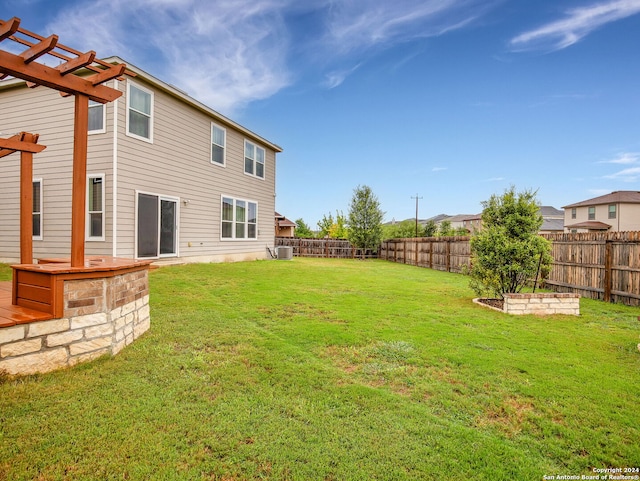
404 253
608 267
448 254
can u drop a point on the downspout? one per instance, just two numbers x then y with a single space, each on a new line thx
114 207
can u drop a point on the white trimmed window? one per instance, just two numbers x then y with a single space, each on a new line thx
253 159
37 209
592 213
96 118
612 211
218 144
95 207
139 112
239 219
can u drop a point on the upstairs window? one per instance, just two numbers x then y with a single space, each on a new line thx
218 144
96 118
139 112
574 213
37 209
253 159
592 213
95 207
612 211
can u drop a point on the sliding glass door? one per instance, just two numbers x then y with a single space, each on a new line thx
157 226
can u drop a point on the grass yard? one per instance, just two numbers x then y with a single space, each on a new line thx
334 370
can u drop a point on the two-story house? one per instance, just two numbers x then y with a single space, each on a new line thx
617 211
167 176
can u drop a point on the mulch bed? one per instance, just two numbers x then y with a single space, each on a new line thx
497 303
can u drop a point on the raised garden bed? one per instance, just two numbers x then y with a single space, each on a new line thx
546 303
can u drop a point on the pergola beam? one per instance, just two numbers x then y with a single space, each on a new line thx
9 28
76 63
40 49
20 143
50 77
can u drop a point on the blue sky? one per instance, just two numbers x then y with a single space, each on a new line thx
453 100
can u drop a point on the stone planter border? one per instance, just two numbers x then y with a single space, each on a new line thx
545 303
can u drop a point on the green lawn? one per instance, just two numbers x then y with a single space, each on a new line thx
334 370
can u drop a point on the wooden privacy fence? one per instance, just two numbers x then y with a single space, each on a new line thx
448 254
337 248
597 265
602 265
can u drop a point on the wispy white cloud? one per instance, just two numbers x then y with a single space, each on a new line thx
335 78
229 53
494 179
625 158
225 56
438 169
356 25
632 174
577 23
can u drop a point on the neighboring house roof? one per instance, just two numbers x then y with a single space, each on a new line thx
620 196
282 221
548 211
176 93
591 225
553 225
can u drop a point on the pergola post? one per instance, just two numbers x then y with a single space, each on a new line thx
26 208
78 194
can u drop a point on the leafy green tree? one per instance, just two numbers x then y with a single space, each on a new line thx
339 229
333 228
430 229
302 229
445 229
324 225
365 219
508 251
399 230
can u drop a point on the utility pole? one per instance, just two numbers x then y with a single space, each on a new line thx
416 198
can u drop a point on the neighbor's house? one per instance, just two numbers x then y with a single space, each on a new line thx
552 221
617 211
167 176
284 226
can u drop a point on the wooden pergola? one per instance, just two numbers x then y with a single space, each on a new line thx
64 78
27 144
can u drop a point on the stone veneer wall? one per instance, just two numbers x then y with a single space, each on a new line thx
542 303
101 316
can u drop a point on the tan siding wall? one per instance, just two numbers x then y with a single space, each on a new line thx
176 164
629 215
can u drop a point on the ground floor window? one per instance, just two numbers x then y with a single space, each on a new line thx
239 219
156 226
37 209
95 207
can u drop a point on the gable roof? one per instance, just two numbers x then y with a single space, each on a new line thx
549 211
176 93
591 225
617 197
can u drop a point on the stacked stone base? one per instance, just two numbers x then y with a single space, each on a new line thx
102 316
542 304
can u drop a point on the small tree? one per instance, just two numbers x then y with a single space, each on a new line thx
399 230
430 229
445 229
508 251
365 219
333 228
302 229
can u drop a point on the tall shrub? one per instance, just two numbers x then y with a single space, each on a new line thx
365 219
507 251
